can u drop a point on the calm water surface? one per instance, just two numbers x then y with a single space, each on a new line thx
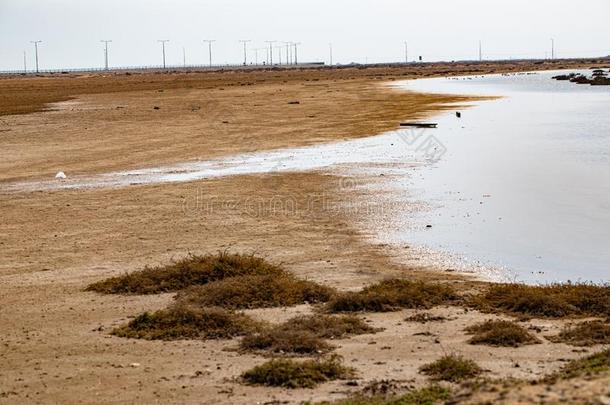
524 184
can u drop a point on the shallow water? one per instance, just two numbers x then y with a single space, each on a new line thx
525 182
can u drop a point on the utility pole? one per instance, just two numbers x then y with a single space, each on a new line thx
287 52
480 52
25 65
184 57
209 42
296 52
406 52
279 54
36 50
552 48
245 42
271 51
330 50
105 41
163 41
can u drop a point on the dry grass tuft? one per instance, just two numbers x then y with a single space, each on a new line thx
451 368
552 301
304 335
330 327
297 374
428 395
391 295
186 322
586 366
257 291
425 317
285 342
192 270
584 334
500 333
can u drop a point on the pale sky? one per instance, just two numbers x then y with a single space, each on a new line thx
360 30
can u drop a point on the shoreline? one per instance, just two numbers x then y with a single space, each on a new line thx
55 243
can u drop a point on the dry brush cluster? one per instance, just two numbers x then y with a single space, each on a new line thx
213 290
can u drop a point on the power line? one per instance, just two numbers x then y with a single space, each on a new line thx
36 50
163 41
296 52
245 42
271 51
106 41
287 52
209 42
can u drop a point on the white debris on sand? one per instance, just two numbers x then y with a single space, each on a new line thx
60 175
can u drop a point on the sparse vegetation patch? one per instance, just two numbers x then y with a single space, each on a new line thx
584 334
187 322
500 333
304 335
391 295
451 368
586 366
192 270
297 374
282 341
428 395
552 301
425 317
256 291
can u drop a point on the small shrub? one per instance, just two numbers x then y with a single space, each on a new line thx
290 342
451 368
500 333
303 335
297 374
258 291
586 366
429 395
192 270
392 295
552 301
330 327
184 322
425 317
584 334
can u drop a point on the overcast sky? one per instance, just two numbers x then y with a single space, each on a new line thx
360 30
